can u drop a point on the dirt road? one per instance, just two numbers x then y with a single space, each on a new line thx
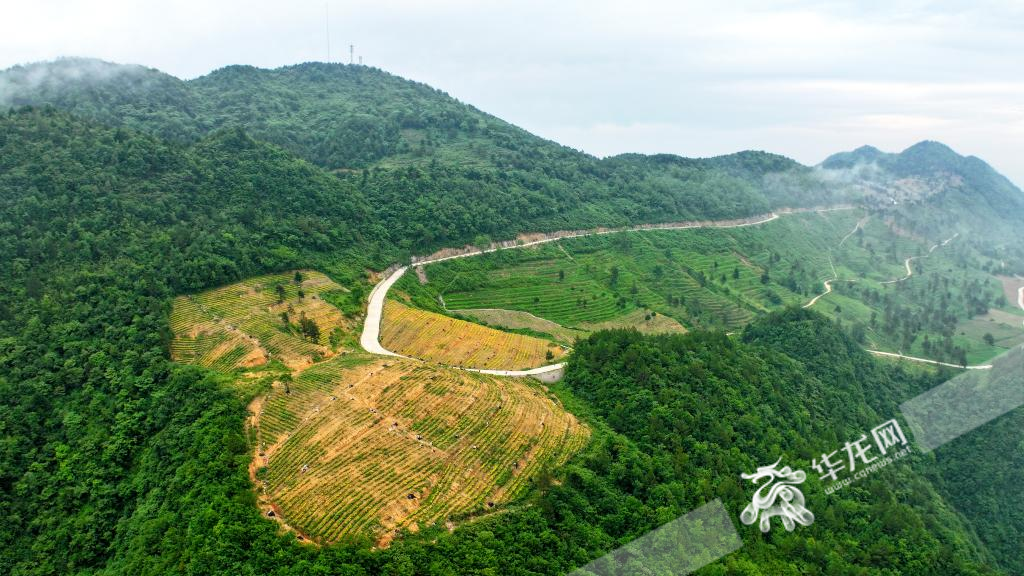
927 361
906 263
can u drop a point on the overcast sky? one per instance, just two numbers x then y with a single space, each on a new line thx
804 79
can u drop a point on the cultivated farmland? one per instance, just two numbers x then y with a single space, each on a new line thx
243 325
357 445
349 445
663 280
716 277
439 338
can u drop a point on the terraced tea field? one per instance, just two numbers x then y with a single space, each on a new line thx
241 325
439 338
359 445
656 280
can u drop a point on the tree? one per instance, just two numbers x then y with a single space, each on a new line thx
859 332
989 339
309 328
298 277
613 280
280 293
482 241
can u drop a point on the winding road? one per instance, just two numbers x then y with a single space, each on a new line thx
370 337
910 272
927 361
906 263
1020 298
860 224
835 275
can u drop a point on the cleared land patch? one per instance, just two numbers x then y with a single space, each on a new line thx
250 323
351 445
365 446
646 322
439 338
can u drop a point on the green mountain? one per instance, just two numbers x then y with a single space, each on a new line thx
349 118
121 187
126 95
930 190
337 116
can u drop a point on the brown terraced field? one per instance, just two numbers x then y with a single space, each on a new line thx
240 325
348 444
438 338
365 446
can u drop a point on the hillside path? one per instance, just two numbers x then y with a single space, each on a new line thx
906 263
370 337
927 361
835 275
910 272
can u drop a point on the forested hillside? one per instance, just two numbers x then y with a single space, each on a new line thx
122 187
479 174
349 118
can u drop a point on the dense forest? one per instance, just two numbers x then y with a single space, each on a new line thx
352 119
136 187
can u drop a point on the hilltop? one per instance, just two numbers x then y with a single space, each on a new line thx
929 188
405 141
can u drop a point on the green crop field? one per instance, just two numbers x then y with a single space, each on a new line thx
700 278
722 278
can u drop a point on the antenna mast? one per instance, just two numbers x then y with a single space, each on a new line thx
351 53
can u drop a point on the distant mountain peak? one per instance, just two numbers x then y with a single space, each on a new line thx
930 146
868 150
862 155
